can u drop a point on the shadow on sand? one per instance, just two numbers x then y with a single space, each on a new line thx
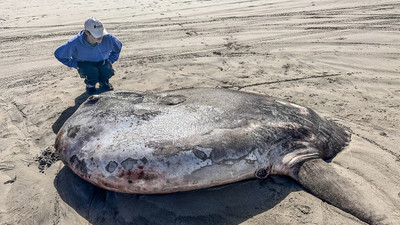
68 112
228 204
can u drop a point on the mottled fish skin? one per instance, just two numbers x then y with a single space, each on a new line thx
190 139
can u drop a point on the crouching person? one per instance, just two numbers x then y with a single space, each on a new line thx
92 52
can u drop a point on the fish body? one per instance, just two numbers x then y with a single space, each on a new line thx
189 139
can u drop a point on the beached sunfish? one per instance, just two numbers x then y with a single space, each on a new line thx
189 139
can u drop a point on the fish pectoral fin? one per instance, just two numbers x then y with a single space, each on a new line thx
293 158
325 182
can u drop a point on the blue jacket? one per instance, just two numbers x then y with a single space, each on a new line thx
78 49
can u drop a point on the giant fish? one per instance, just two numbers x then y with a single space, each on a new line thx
181 140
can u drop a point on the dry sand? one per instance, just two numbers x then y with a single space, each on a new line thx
338 57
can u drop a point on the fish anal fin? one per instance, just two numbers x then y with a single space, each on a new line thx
326 183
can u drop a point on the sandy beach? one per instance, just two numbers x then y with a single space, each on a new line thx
340 58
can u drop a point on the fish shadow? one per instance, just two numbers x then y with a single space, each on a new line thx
68 112
227 204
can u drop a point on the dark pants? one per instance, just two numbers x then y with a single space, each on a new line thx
95 72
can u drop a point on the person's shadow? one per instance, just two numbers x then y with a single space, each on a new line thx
71 110
68 112
228 204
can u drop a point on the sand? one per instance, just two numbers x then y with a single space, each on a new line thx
340 58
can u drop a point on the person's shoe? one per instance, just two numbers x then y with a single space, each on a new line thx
90 90
106 87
